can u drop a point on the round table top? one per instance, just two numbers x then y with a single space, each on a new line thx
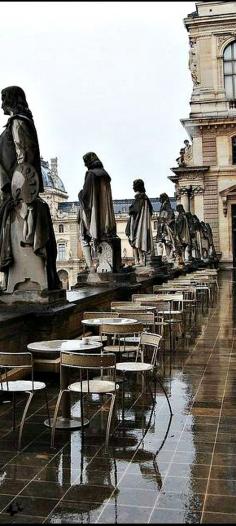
110 321
64 345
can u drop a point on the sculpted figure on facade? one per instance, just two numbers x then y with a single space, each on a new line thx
96 217
139 227
192 63
28 248
165 237
182 234
186 155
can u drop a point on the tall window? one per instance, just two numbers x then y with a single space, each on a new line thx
230 70
61 251
61 229
233 150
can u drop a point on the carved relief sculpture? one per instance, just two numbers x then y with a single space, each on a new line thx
192 63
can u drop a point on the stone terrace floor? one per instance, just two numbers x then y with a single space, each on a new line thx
156 470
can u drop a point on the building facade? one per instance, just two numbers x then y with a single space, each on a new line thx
205 178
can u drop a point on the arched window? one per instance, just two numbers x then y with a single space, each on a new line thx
234 150
61 229
230 71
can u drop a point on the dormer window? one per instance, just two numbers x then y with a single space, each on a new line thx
229 59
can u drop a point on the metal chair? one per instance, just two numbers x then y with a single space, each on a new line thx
147 341
20 361
98 314
119 335
85 362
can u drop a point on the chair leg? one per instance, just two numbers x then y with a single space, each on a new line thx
46 398
31 394
82 417
113 397
14 411
163 389
55 416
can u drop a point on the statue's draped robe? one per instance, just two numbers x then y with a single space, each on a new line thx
182 230
19 144
139 226
96 215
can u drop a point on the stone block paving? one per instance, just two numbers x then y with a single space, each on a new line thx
156 469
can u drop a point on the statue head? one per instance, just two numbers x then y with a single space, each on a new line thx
164 197
138 186
180 209
90 159
14 101
196 220
186 142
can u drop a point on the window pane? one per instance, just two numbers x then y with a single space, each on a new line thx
233 50
228 67
234 86
61 251
229 87
227 53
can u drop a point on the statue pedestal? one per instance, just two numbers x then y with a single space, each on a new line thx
124 277
109 256
34 298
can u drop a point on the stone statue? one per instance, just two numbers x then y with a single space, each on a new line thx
28 247
180 160
198 252
186 155
165 237
96 217
139 226
212 250
182 234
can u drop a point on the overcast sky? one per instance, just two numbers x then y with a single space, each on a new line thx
109 77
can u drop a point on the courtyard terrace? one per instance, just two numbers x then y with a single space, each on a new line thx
156 469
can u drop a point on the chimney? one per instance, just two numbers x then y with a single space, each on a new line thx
54 166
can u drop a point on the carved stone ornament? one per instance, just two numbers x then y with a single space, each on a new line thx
224 37
192 63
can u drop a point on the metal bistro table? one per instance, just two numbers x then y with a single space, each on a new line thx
56 346
96 322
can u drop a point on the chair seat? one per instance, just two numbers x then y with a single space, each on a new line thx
98 338
132 339
95 386
134 366
21 385
120 348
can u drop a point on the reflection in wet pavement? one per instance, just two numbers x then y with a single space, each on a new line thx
157 468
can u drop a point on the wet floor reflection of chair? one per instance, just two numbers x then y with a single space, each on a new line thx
149 345
85 363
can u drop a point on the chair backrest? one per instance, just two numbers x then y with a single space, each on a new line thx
126 328
98 314
9 360
148 340
115 304
88 361
146 318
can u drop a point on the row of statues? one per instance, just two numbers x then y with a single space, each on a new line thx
28 249
181 236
